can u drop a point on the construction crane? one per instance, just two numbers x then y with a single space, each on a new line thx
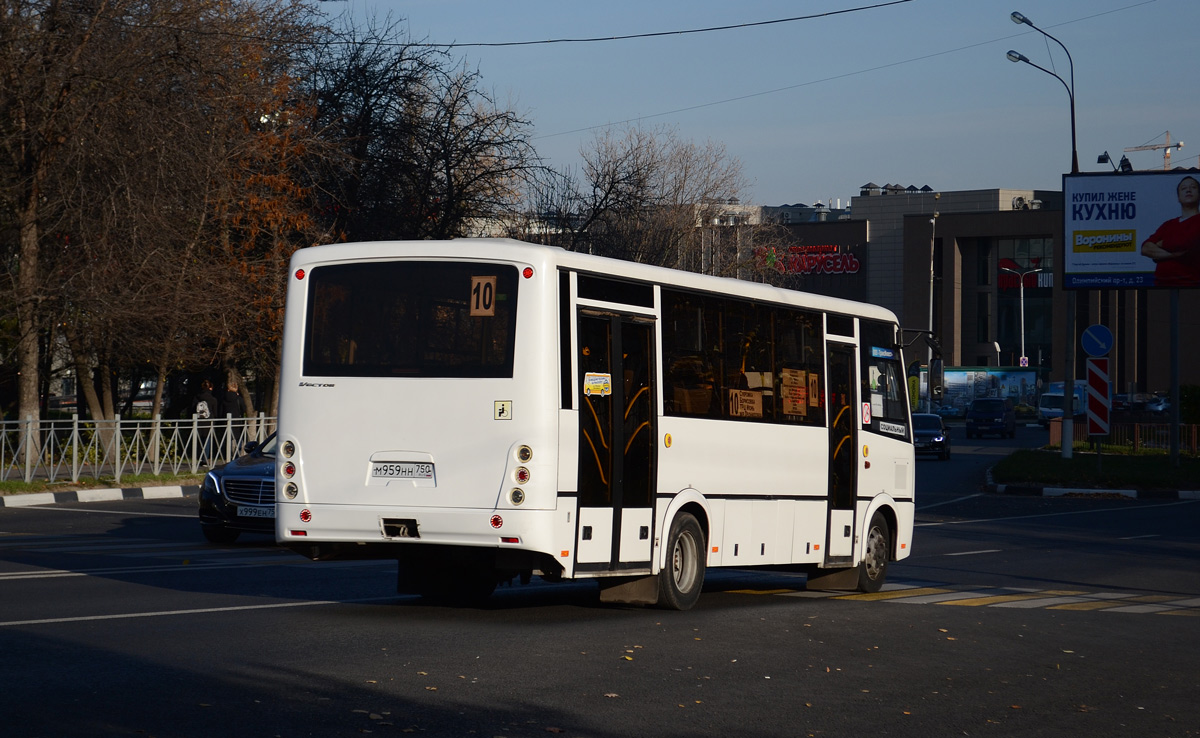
1165 147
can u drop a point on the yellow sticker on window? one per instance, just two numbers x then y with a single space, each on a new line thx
597 384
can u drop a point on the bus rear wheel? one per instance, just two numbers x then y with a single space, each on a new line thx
682 579
873 569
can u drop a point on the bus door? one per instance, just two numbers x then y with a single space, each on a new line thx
843 450
616 441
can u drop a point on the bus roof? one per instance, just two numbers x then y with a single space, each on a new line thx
549 257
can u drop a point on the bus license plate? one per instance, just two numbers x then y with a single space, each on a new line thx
251 511
401 470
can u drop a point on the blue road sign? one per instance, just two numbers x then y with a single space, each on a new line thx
1097 340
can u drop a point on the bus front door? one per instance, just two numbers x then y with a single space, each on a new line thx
843 453
616 442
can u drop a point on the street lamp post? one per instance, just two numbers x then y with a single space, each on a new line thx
1021 299
929 349
1068 425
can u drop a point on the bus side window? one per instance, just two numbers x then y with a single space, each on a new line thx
689 383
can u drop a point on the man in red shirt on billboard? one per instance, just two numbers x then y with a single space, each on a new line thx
1175 246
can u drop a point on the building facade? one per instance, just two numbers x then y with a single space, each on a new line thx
996 258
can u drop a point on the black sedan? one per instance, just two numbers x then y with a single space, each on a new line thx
240 496
930 435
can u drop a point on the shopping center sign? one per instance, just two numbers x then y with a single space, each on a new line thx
809 259
1131 230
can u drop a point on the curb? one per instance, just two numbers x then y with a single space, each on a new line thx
98 495
1047 491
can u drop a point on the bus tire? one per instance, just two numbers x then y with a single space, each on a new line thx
872 570
682 579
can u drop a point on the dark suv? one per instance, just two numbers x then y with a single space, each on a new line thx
240 496
991 415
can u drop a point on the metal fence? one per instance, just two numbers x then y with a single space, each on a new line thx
70 450
1133 438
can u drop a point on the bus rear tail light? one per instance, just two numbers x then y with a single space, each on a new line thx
290 490
509 539
524 454
289 469
521 475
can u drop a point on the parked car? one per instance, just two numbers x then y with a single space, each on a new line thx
240 496
991 415
1158 404
930 435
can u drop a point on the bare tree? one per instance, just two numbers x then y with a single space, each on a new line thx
642 195
428 151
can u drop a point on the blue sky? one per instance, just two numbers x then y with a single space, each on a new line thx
918 92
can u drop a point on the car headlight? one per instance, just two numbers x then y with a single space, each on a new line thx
210 484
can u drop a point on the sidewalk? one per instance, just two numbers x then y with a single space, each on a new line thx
98 495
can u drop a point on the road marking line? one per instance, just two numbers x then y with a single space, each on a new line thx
1139 608
1051 515
989 600
1083 606
1040 602
197 611
948 502
972 553
891 595
126 513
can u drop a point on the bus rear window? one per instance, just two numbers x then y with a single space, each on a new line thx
411 319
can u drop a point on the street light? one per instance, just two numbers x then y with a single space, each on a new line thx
1068 425
1124 168
929 349
1016 57
1021 281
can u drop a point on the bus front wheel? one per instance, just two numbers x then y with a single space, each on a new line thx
873 568
680 581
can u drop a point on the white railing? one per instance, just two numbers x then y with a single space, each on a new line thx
68 450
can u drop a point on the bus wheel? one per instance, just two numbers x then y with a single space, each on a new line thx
873 569
680 582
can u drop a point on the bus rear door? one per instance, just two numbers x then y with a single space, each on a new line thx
616 441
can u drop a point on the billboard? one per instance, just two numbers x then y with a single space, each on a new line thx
966 383
1131 230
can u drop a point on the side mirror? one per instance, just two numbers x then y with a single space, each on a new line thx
937 378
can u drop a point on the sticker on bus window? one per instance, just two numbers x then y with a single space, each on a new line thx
814 390
483 297
793 388
595 383
745 404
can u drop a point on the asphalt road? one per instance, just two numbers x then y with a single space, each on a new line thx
1014 616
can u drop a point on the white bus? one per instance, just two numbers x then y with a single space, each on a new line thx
484 409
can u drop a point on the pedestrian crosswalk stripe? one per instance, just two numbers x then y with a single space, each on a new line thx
934 593
892 594
993 600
